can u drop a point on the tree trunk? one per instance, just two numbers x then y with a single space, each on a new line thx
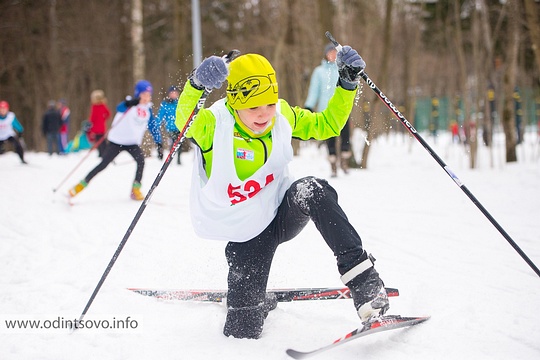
470 125
508 118
410 71
488 88
531 13
137 40
387 43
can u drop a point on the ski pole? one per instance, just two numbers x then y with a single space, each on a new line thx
96 144
450 173
228 58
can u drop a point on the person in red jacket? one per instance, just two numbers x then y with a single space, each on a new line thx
99 114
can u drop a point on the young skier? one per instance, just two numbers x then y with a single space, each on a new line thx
166 114
242 191
10 129
132 119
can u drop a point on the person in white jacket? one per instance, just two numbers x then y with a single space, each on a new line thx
132 119
10 130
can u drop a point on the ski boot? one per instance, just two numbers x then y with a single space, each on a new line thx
333 165
367 290
344 161
77 188
136 193
247 322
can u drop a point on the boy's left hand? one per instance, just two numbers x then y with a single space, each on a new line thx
350 65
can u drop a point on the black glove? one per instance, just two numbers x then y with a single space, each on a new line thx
160 151
129 102
350 65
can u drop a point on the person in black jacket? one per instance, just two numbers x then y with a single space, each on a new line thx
50 126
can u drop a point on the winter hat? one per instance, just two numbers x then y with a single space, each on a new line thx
251 82
329 47
142 86
4 104
173 88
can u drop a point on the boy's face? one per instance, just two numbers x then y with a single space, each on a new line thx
3 110
145 97
258 118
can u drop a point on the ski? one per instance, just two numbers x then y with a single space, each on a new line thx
383 323
282 295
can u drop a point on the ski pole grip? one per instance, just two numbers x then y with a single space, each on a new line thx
233 54
333 41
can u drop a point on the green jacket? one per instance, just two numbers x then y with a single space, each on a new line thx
305 125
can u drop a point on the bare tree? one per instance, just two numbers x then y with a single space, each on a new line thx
531 14
469 124
371 128
137 42
510 74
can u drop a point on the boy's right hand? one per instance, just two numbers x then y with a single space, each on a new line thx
211 73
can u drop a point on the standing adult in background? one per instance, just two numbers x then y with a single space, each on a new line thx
321 88
99 114
167 114
65 115
50 126
10 129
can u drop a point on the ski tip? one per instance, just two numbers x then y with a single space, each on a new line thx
405 318
400 321
296 354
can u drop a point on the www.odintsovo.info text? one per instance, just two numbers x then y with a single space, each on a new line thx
58 323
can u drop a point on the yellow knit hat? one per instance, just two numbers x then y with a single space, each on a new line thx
251 82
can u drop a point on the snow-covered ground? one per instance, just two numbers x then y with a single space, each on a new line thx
429 239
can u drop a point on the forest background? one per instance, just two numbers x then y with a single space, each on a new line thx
473 62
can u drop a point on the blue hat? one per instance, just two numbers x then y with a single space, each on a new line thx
173 88
142 86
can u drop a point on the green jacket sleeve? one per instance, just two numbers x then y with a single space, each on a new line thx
204 124
321 125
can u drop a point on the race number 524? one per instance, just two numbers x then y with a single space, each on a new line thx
247 190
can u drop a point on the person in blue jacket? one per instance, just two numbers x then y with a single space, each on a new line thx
133 117
10 130
167 115
321 88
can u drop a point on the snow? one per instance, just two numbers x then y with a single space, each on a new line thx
429 239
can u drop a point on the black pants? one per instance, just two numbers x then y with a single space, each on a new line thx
16 144
111 151
102 146
345 137
307 198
